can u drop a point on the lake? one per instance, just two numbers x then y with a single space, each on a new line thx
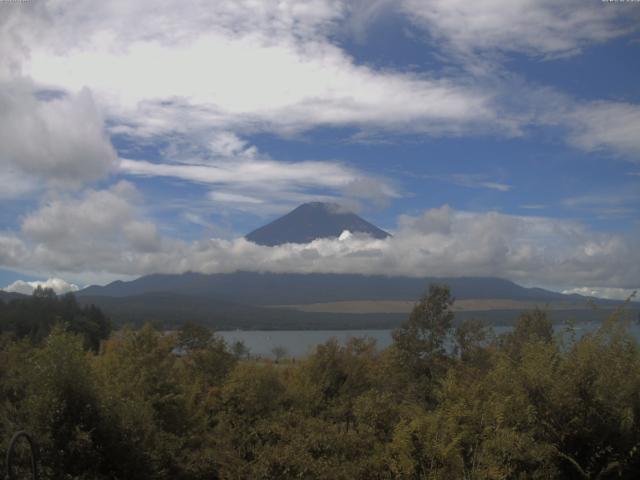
299 343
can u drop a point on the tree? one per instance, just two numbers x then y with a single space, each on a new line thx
470 337
532 326
34 317
41 292
279 352
193 336
239 349
49 391
420 340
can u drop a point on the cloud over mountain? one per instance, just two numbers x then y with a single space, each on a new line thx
58 285
104 232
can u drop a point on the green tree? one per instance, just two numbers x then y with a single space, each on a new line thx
34 317
424 334
193 336
49 391
419 343
470 337
531 326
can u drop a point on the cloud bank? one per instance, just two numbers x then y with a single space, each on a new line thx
534 27
203 78
59 140
609 293
102 232
271 68
58 285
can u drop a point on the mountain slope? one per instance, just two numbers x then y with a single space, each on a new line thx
8 296
252 300
292 288
171 310
311 221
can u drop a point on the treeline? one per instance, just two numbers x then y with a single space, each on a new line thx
34 317
529 404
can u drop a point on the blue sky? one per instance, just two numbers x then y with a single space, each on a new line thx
492 138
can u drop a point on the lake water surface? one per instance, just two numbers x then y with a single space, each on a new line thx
299 343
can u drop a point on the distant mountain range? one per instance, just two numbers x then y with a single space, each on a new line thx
320 301
311 221
315 301
8 296
294 288
279 300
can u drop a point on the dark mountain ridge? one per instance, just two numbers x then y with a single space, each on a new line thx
295 288
246 299
8 296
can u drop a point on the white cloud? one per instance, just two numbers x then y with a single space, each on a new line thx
207 75
203 77
534 27
173 22
15 184
269 172
472 181
58 285
370 190
609 293
361 14
229 145
248 66
606 125
622 203
13 251
502 187
61 140
598 200
92 231
102 233
229 197
592 126
215 71
442 242
273 185
152 89
47 136
266 202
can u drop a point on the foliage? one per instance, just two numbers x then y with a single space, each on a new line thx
419 343
34 317
438 404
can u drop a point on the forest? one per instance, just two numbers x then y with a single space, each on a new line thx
448 400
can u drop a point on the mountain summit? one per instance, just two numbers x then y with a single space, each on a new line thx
311 221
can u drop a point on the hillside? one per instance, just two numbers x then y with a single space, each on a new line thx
251 300
8 296
292 288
